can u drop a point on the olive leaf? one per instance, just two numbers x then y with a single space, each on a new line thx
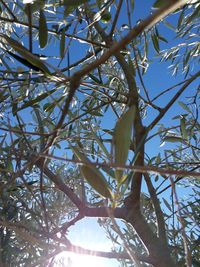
100 143
132 5
159 3
173 139
122 139
43 30
36 100
184 133
23 61
155 41
35 6
26 54
74 3
92 175
106 17
62 44
184 106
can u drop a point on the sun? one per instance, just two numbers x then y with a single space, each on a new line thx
69 259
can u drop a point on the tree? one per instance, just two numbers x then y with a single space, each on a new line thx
79 123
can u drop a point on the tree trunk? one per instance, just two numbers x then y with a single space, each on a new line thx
159 253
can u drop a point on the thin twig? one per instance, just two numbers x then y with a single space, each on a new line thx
130 252
140 169
116 18
173 100
9 11
30 28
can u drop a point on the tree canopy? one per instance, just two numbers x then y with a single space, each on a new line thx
99 118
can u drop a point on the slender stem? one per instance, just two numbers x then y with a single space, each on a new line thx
30 28
158 210
9 11
173 100
116 18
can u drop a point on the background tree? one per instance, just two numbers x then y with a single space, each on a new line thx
81 127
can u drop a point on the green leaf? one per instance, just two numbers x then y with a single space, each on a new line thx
131 65
23 61
92 175
43 30
95 113
96 180
99 3
159 3
184 106
37 99
167 204
106 17
194 15
158 159
74 3
122 139
3 96
100 143
132 5
26 54
48 107
183 128
156 178
35 6
162 39
155 42
68 10
94 78
14 108
9 166
173 139
181 18
62 44
32 182
109 171
169 25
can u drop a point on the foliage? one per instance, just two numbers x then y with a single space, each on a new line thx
86 131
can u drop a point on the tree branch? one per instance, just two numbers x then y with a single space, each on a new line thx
60 184
103 212
137 30
133 99
159 215
141 169
79 38
116 18
110 255
173 100
157 250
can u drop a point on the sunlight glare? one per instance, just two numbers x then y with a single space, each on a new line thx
68 259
